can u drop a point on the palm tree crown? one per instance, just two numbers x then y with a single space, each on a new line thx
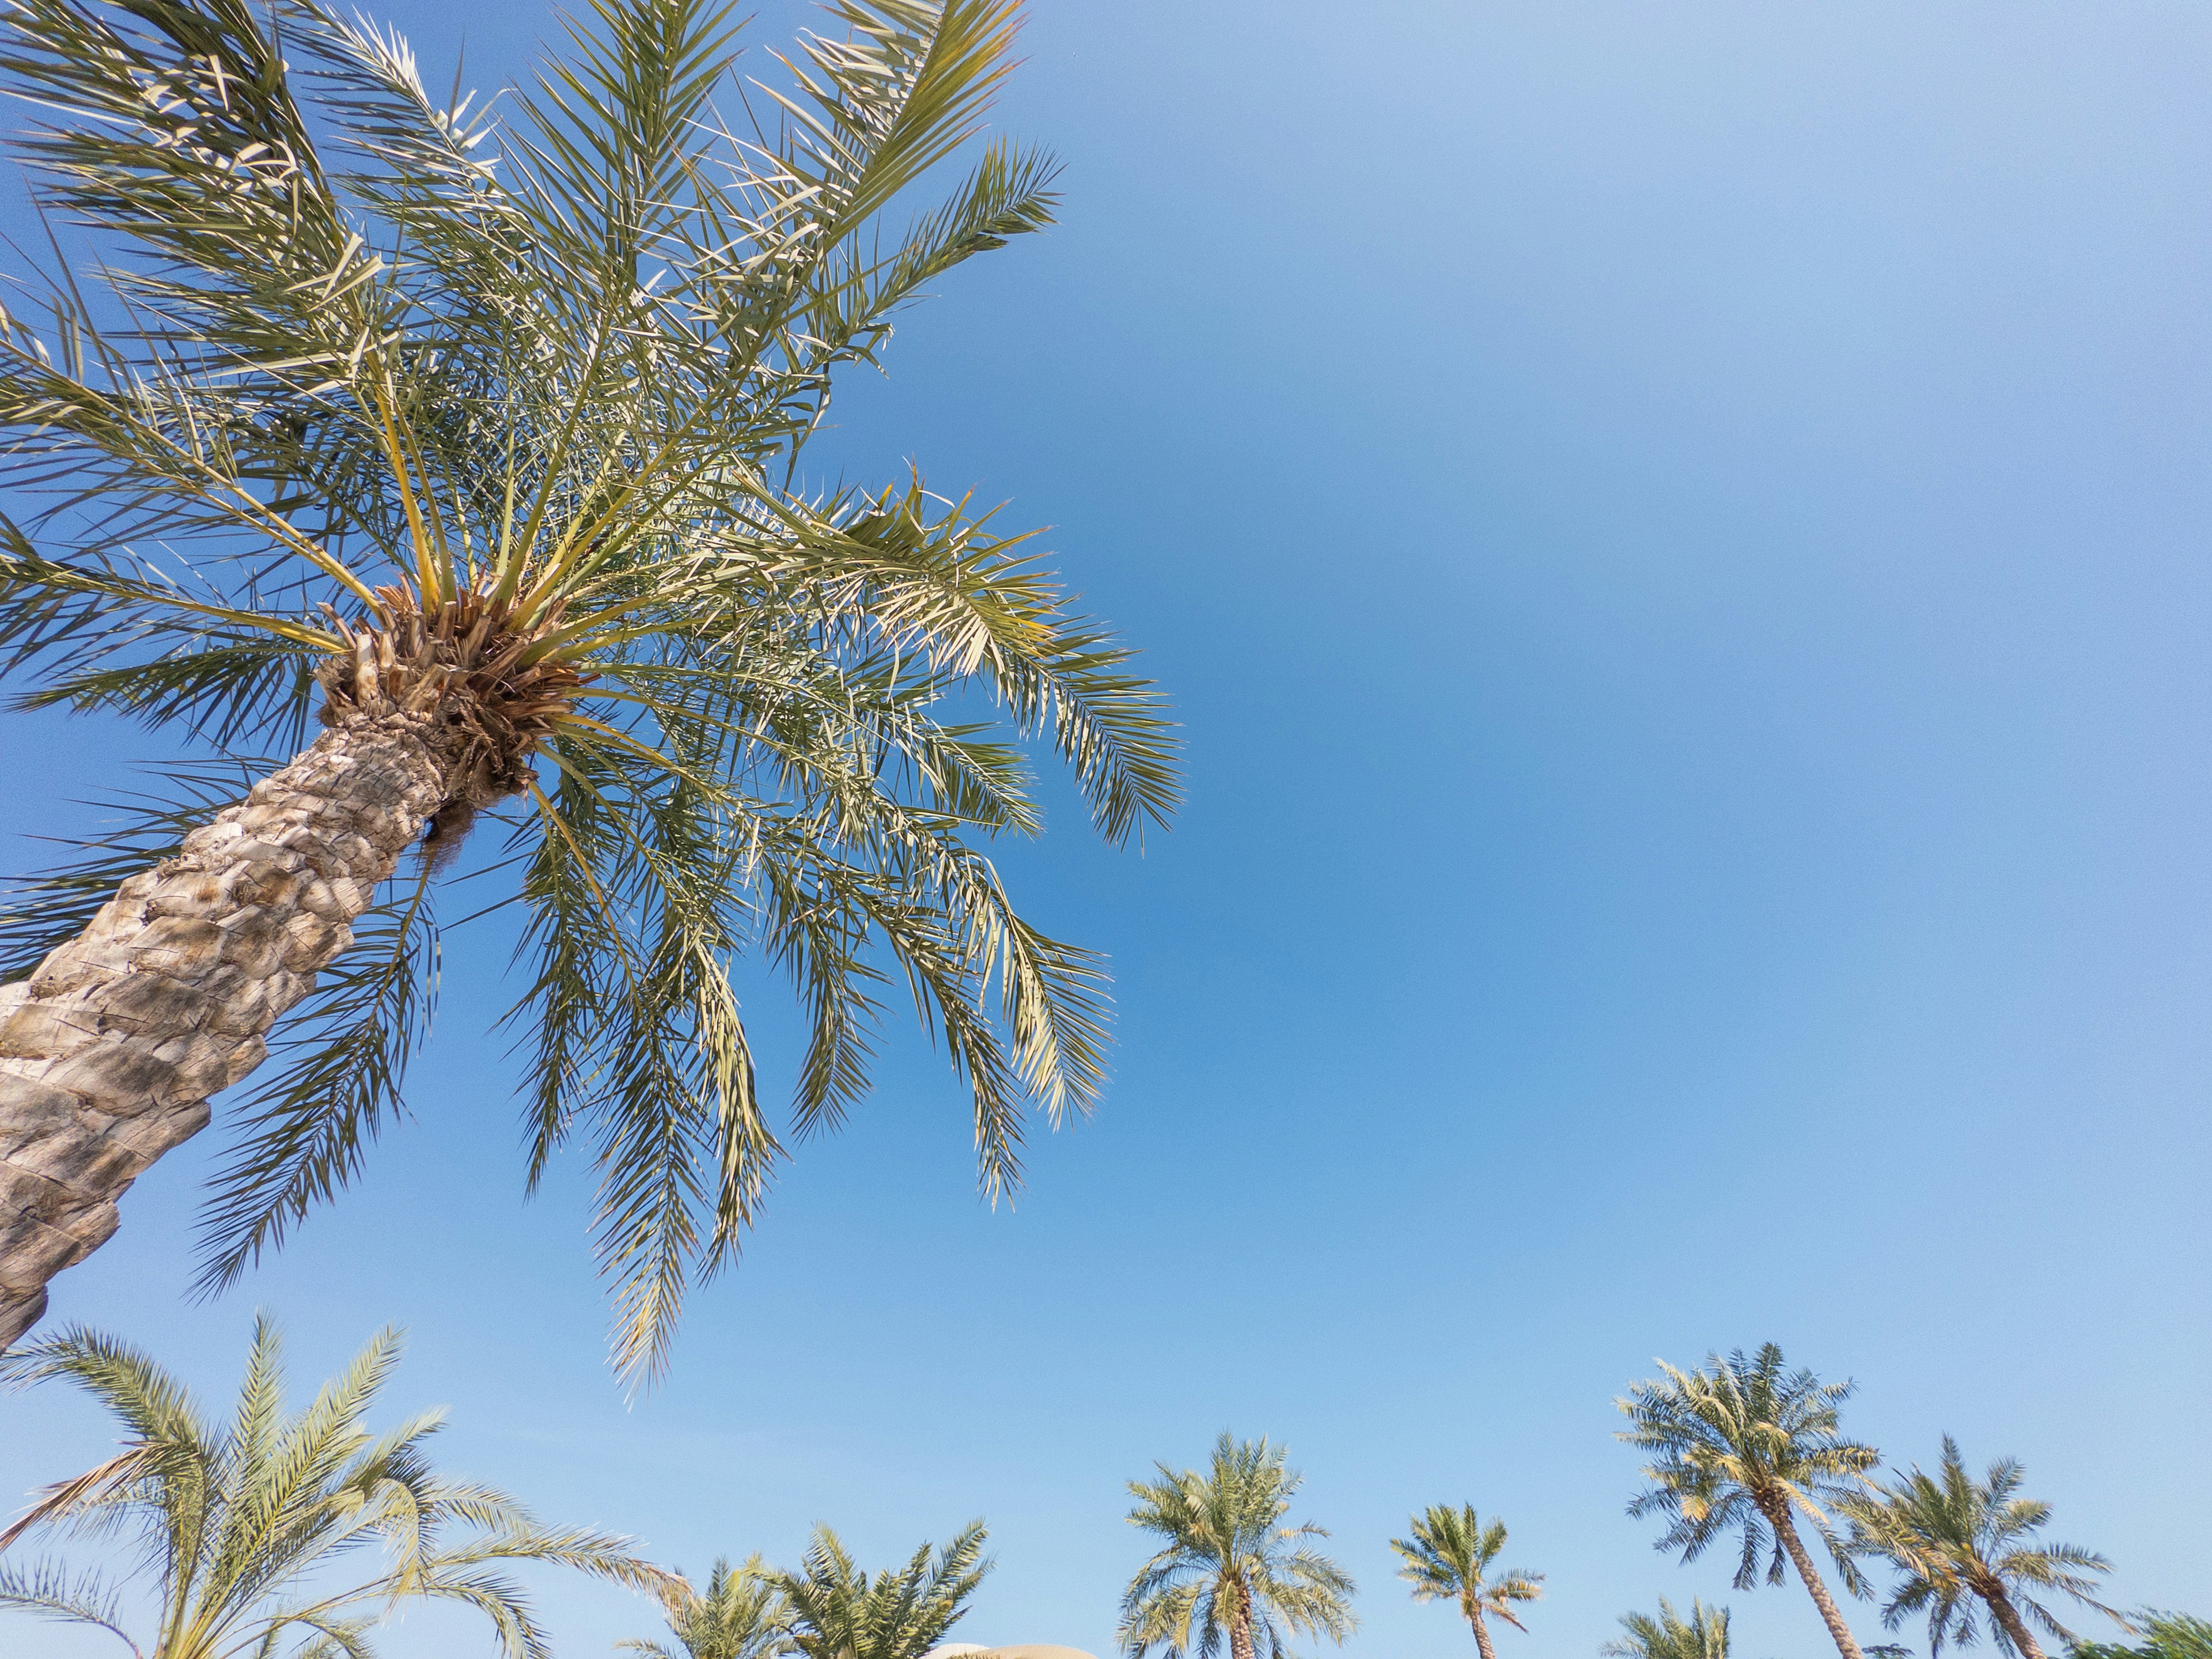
1231 1567
1703 1635
1955 1540
247 1530
1448 1559
482 444
1746 1445
836 1610
741 1616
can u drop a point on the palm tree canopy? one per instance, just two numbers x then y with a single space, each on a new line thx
497 429
741 1615
1228 1556
1956 1541
1703 1635
253 1532
1741 1444
1449 1558
2166 1636
838 1611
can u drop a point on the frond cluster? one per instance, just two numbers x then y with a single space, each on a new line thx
276 1528
1961 1546
1703 1635
1231 1569
1744 1444
506 422
835 1609
741 1615
1449 1558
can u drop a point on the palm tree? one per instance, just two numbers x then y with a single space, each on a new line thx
1745 1445
2166 1636
1448 1559
741 1616
481 446
1955 1540
1703 1635
247 1530
1231 1566
838 1611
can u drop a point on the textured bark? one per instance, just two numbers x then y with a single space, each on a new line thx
1786 1529
2008 1616
109 1052
1240 1626
1481 1633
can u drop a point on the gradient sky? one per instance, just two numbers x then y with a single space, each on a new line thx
1677 535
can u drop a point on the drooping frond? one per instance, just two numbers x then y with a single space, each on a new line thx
283 1528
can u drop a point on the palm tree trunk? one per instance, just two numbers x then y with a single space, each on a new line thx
1240 1626
2008 1616
1481 1635
109 1052
1786 1529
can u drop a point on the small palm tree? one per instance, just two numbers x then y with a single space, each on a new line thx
1448 1559
1703 1635
246 1531
741 1616
1746 1445
837 1611
478 446
1231 1567
1954 1540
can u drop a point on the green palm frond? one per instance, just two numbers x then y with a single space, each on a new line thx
1745 1444
1961 1546
1450 1556
1703 1635
355 355
51 1592
248 1529
832 1608
1231 1567
741 1615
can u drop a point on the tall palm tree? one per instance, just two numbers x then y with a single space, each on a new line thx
1231 1567
741 1616
481 446
1448 1559
278 1529
1954 1540
836 1610
1703 1635
1746 1445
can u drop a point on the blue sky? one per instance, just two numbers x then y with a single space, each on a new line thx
1676 534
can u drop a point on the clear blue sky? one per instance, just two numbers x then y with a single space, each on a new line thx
1678 534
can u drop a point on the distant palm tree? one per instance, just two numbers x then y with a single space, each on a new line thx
1744 1444
2165 1636
1229 1567
1956 1540
1703 1635
1448 1559
469 435
837 1611
741 1616
245 1530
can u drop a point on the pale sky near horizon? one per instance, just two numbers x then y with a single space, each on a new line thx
1677 535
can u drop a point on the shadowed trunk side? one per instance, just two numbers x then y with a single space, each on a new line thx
2008 1616
110 1050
